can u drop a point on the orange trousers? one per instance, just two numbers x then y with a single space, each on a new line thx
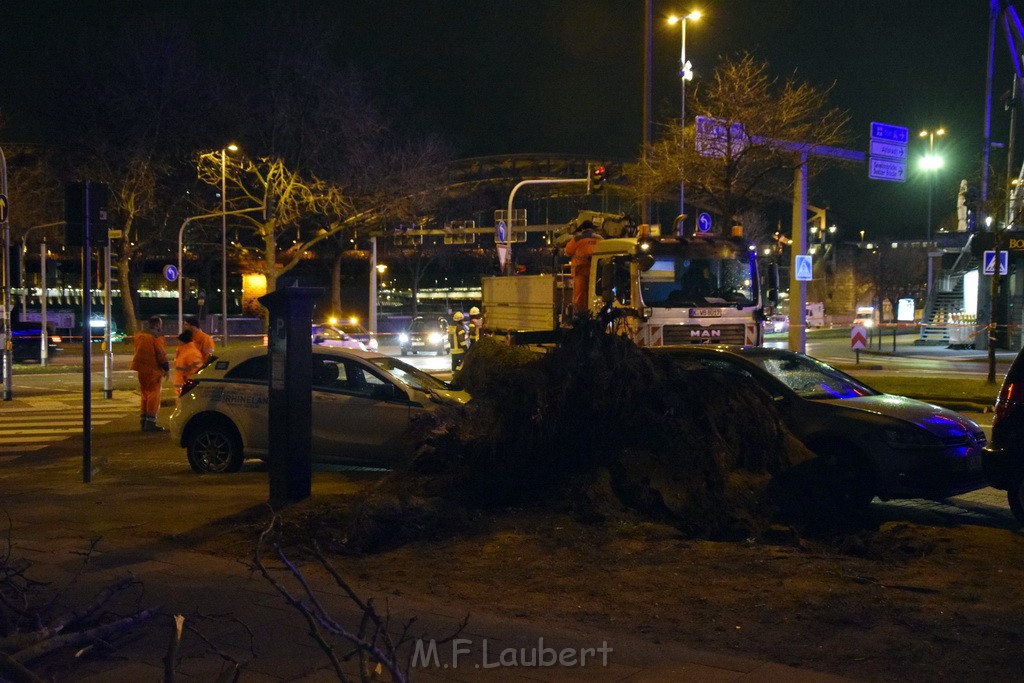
150 383
580 283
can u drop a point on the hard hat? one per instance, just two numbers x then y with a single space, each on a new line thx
457 317
474 311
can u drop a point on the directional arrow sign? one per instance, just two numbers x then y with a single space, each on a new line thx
885 169
804 271
858 338
886 131
990 263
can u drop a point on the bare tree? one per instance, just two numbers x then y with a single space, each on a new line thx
749 161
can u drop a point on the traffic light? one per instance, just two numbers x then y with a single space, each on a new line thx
85 200
597 175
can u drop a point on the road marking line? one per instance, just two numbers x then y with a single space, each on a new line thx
49 438
19 450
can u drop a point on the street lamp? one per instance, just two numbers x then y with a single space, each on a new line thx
685 74
931 163
224 239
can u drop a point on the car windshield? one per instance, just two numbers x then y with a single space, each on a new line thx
678 280
810 378
409 375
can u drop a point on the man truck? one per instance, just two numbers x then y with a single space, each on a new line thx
657 289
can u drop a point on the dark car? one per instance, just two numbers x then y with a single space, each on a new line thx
884 445
26 344
1004 456
425 334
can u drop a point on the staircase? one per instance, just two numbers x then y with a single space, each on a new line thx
944 309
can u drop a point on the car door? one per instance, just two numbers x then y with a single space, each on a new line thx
242 395
358 414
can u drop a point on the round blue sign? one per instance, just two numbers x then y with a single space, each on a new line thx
171 273
704 222
501 231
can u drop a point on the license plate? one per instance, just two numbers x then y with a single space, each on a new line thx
705 313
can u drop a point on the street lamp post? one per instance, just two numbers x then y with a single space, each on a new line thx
224 239
931 163
685 74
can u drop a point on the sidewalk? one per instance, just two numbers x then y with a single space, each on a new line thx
146 514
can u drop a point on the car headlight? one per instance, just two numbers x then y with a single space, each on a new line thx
868 323
906 437
403 338
435 338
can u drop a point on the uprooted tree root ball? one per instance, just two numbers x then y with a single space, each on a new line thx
601 428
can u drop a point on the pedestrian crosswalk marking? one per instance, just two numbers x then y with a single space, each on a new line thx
43 422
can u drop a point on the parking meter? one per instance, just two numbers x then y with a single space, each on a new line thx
290 404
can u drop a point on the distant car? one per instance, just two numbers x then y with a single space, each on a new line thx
357 331
327 335
885 445
1004 456
776 324
865 319
363 404
26 345
426 335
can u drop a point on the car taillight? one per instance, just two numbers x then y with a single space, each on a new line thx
188 386
55 339
1009 398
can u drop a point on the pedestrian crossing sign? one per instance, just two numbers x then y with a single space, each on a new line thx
803 267
990 262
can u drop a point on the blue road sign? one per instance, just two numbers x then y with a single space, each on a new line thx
804 271
704 222
171 273
889 133
502 231
990 262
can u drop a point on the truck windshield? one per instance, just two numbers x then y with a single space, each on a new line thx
677 280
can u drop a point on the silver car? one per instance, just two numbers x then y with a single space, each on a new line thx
363 403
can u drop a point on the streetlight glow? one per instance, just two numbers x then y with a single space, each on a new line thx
930 163
685 74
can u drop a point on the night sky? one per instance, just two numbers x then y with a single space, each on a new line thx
504 76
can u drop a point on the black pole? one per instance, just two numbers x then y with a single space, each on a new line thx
86 343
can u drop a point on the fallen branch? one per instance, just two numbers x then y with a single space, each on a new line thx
78 638
21 641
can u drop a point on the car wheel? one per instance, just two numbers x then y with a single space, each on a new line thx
853 479
214 448
1015 495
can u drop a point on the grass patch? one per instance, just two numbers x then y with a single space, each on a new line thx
971 389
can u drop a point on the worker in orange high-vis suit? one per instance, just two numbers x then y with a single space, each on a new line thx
579 249
187 359
150 363
203 341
